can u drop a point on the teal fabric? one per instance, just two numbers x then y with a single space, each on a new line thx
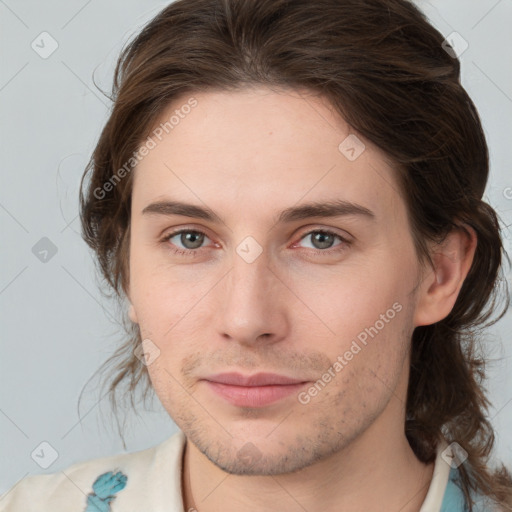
105 487
453 500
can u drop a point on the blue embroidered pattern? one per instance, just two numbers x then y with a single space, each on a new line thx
104 487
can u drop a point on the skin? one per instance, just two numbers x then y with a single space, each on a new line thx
247 156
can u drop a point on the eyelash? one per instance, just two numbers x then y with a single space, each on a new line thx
317 252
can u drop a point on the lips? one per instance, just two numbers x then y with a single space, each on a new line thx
259 379
256 390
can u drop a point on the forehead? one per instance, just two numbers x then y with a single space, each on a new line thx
260 147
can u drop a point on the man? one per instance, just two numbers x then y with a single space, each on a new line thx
287 195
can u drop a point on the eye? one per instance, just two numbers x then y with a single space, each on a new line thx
323 240
190 240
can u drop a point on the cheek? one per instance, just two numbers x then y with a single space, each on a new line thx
371 328
353 306
158 296
164 380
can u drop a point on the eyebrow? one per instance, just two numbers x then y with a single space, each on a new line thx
334 208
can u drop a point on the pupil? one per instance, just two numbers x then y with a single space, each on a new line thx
322 240
189 237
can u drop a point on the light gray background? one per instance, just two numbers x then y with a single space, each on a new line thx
56 326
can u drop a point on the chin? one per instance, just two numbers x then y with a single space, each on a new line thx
259 456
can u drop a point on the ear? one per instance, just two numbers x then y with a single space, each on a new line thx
441 286
131 310
132 314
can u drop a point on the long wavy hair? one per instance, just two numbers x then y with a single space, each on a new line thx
385 70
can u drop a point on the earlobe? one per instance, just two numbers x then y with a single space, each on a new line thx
132 314
440 288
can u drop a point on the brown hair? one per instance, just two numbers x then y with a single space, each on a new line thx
383 68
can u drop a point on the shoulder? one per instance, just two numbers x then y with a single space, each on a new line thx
454 499
445 493
94 484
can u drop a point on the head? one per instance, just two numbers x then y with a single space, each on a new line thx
249 113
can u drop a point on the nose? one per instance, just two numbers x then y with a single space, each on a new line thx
252 303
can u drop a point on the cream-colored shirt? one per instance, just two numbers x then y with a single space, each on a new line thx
145 481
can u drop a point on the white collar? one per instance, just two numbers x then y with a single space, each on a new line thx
435 494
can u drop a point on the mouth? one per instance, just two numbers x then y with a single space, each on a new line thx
256 390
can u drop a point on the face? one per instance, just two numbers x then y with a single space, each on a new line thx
253 282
